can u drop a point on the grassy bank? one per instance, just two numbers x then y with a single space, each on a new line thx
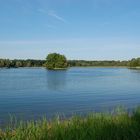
120 126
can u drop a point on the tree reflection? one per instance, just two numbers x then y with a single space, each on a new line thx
56 80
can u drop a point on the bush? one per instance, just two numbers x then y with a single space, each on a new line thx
56 61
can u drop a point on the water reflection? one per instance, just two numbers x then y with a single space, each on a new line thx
56 80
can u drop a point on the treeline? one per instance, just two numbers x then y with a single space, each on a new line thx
21 63
71 63
98 63
135 62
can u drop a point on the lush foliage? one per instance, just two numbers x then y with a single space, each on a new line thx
59 61
121 126
135 62
21 63
98 63
56 61
72 63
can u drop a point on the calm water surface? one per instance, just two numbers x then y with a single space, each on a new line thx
32 92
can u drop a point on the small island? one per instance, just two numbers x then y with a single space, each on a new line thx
55 61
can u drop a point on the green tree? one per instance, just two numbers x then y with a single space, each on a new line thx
18 64
135 62
2 63
56 61
5 63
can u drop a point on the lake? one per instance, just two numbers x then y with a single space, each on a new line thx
30 93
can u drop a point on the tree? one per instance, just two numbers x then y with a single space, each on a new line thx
56 61
5 63
135 62
18 64
2 63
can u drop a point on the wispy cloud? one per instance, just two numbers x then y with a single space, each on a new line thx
53 14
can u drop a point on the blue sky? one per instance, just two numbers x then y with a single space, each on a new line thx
80 29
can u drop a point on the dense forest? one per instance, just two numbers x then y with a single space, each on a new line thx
97 63
71 63
21 63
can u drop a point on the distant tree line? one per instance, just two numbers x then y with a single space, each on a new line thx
21 63
135 62
71 63
97 63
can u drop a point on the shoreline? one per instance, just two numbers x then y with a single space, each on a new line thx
97 126
73 67
134 67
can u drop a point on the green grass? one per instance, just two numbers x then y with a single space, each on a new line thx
119 126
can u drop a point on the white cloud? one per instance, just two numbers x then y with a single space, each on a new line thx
53 14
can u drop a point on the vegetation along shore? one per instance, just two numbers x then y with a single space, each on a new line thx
61 59
121 126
